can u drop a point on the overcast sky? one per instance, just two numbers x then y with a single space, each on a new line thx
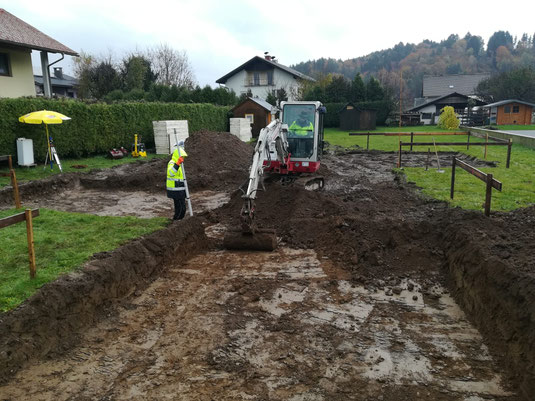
219 35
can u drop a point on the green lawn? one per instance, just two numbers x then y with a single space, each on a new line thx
63 242
518 181
514 127
38 172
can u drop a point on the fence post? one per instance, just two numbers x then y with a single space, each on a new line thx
29 233
412 138
15 186
486 141
452 189
368 142
399 156
468 141
509 153
488 195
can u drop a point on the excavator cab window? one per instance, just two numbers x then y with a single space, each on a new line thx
300 119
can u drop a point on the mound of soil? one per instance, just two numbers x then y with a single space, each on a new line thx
217 160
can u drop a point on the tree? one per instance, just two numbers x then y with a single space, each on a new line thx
83 66
137 73
104 79
448 119
358 90
271 99
374 90
516 84
338 90
282 95
171 66
498 39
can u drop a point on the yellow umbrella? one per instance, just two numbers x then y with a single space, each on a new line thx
45 117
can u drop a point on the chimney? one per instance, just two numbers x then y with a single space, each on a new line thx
58 72
267 56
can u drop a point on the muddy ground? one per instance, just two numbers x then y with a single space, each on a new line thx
359 302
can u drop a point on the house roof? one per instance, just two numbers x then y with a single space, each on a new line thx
15 31
502 102
67 81
438 99
262 103
442 85
295 73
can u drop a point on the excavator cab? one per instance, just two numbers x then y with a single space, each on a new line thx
305 134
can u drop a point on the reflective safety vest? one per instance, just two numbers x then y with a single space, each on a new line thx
174 174
301 131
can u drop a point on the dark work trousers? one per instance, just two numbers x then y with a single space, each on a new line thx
179 199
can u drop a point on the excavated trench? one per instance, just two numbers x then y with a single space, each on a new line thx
373 293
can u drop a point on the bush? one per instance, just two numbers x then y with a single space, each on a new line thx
448 119
96 128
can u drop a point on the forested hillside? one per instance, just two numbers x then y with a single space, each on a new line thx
453 55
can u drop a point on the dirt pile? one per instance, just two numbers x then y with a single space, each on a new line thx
217 160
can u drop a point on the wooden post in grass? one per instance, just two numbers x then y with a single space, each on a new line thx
28 215
486 142
412 139
509 153
14 183
368 142
399 156
488 195
468 141
29 234
452 189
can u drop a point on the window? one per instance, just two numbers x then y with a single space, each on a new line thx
507 109
516 109
270 77
256 79
427 116
4 64
250 117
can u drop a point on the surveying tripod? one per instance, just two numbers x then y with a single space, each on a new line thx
52 155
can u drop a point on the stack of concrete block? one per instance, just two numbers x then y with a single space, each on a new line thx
164 134
241 127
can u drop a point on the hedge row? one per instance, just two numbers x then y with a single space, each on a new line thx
96 128
332 118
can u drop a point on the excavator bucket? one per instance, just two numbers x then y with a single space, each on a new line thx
261 240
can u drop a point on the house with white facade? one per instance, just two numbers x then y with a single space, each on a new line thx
262 76
17 40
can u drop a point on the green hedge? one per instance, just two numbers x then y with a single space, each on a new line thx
332 118
96 128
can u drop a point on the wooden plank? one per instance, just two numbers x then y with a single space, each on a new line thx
16 218
478 173
4 158
29 233
488 194
457 144
405 133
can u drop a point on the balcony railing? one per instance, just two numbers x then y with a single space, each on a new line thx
258 82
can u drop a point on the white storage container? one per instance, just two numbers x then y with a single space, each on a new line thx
25 152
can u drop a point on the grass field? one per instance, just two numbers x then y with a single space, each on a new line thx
514 127
63 242
518 181
38 172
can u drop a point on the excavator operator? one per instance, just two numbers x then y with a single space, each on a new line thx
302 133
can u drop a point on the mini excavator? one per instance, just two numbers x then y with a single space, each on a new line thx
290 147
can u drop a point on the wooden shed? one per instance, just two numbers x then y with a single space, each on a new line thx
256 110
510 112
352 118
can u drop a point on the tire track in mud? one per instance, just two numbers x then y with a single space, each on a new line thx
281 326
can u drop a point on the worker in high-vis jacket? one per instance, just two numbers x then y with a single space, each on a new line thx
176 189
301 135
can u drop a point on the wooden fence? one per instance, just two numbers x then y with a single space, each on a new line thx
487 178
14 183
28 215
